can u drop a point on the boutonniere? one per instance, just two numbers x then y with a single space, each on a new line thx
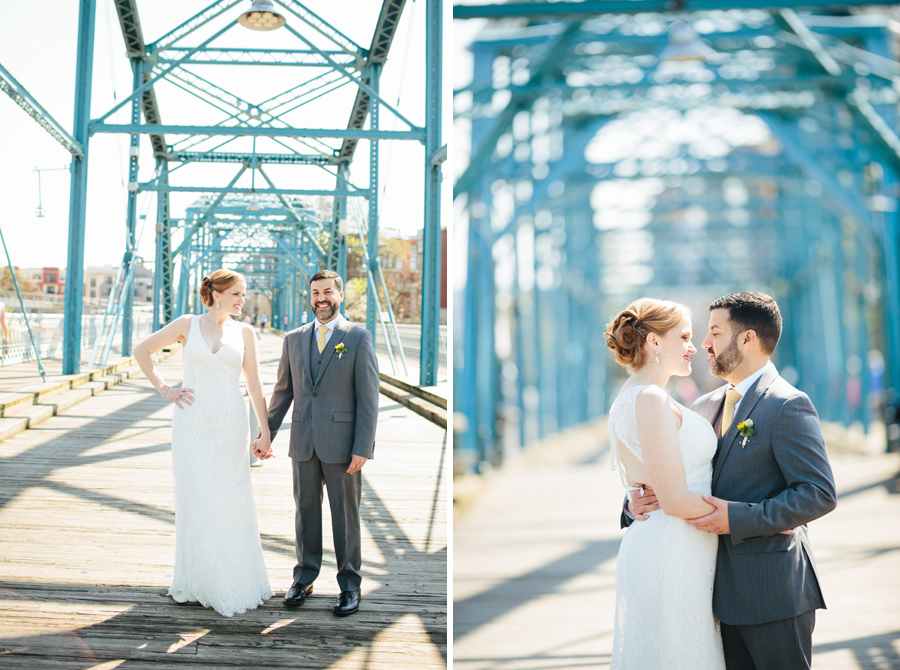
745 428
340 349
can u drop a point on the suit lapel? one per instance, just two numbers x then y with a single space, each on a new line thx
714 406
305 344
340 330
748 402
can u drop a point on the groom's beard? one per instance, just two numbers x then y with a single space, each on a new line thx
727 361
324 314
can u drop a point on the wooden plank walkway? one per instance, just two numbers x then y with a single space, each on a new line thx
87 545
535 550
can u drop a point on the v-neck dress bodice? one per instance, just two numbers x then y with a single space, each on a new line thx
218 555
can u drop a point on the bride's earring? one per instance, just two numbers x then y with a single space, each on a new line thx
656 358
217 307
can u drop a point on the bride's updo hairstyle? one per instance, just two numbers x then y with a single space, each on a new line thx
626 333
221 281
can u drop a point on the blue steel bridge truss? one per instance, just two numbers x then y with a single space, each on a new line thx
258 217
601 172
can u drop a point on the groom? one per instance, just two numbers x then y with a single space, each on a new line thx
329 371
767 479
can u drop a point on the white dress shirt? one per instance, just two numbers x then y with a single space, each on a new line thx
744 385
330 326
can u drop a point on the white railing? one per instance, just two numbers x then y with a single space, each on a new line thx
10 299
48 334
410 338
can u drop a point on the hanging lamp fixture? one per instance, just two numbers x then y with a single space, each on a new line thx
261 16
685 45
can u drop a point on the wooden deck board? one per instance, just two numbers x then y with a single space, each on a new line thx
87 544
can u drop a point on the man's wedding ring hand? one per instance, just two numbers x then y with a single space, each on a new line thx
179 396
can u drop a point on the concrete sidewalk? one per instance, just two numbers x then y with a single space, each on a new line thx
535 551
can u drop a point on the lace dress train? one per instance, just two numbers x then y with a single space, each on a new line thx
218 554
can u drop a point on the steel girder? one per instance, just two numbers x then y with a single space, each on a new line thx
163 63
813 229
589 8
33 108
84 63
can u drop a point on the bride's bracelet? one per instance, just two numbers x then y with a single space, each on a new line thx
164 391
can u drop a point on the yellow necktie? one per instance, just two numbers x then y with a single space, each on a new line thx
323 330
731 398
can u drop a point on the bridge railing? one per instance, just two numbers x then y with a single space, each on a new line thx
48 334
10 299
410 338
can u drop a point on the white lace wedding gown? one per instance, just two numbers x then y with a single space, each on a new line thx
218 555
665 568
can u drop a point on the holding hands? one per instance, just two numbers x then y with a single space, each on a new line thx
262 447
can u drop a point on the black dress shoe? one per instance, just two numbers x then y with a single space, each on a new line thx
347 604
297 594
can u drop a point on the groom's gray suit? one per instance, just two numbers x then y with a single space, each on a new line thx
780 479
335 399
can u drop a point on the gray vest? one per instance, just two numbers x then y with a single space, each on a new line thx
315 358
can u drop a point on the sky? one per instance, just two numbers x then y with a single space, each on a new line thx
40 54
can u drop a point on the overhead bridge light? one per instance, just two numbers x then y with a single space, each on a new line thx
255 205
262 16
685 45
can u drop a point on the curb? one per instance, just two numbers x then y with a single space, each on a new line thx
414 400
21 410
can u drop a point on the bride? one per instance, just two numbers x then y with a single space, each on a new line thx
218 555
665 567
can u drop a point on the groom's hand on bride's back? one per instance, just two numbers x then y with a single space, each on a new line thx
640 506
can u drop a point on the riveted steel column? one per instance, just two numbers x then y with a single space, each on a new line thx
163 278
84 63
372 291
431 242
126 302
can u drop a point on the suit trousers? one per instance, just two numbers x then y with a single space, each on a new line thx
344 493
775 645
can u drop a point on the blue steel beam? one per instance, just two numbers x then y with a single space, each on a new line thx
239 157
33 108
431 240
234 56
589 8
84 63
130 23
195 226
382 38
517 103
324 28
151 186
199 19
372 298
293 214
356 80
127 301
258 131
150 82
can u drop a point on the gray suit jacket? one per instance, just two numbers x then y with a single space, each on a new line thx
335 414
781 479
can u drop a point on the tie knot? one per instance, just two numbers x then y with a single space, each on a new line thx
731 397
323 330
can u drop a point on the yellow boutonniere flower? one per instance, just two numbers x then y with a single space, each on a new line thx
340 349
745 428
